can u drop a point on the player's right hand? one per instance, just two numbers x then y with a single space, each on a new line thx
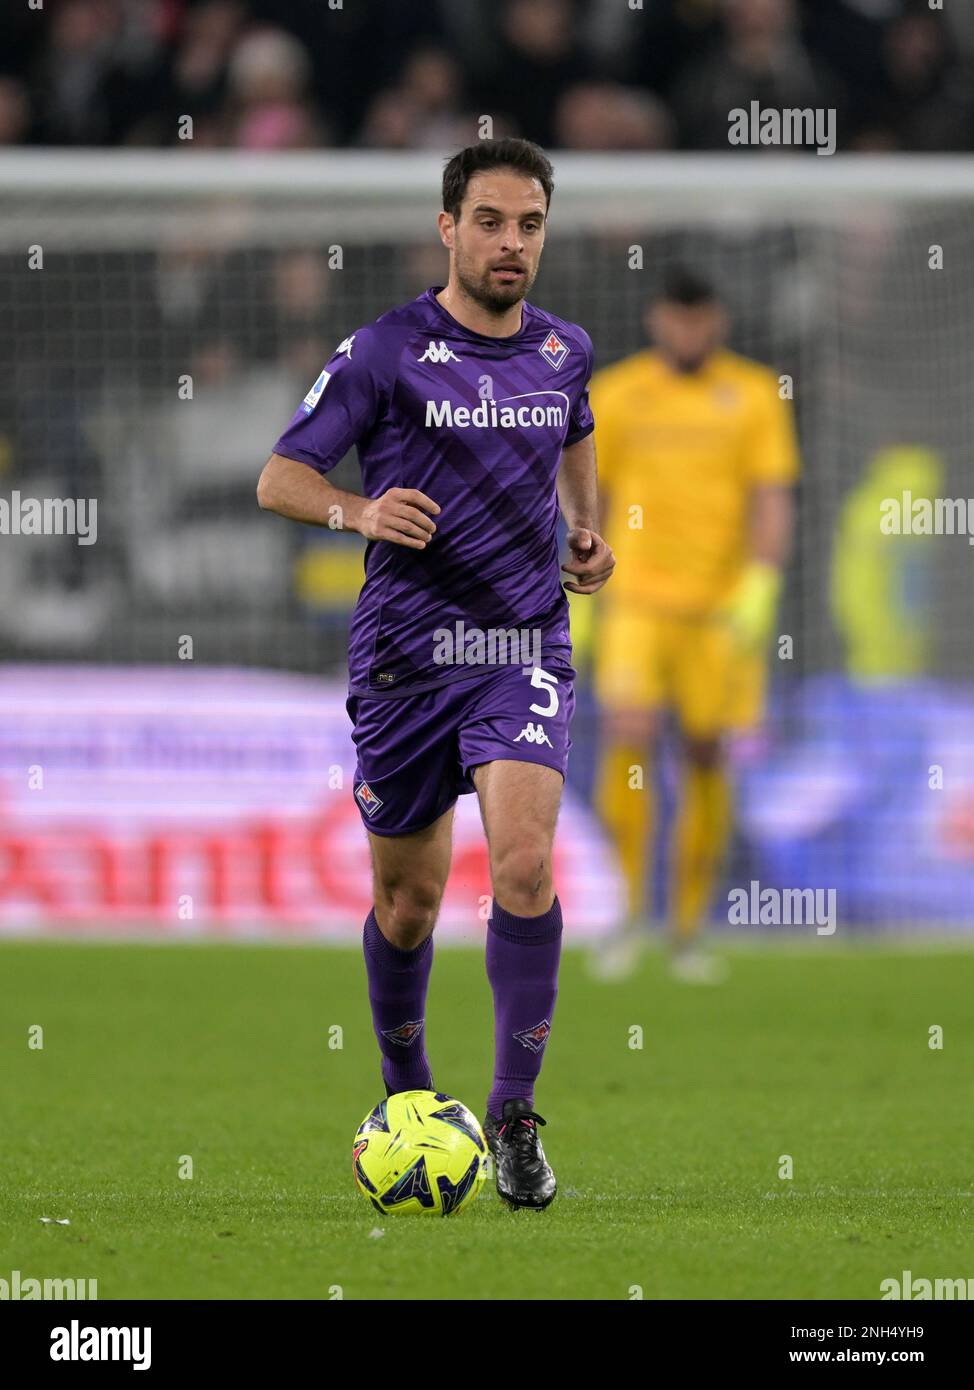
399 515
749 610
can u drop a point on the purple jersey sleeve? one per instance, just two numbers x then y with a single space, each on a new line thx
342 407
581 421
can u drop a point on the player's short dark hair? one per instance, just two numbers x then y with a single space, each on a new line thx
687 287
521 155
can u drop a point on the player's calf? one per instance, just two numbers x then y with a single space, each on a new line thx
409 874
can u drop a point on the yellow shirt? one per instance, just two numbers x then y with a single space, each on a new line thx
678 455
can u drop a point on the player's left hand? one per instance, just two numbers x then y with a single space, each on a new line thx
592 561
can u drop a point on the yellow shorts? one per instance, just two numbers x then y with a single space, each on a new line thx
692 665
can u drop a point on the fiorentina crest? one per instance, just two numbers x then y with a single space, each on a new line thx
534 1038
367 798
553 350
406 1034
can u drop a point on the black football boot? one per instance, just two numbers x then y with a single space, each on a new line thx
524 1178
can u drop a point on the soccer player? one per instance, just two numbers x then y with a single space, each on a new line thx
470 411
697 459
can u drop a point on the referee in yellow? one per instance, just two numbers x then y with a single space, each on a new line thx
697 461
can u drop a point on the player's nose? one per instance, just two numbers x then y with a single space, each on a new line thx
512 240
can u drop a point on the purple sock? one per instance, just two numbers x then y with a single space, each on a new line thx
397 993
522 966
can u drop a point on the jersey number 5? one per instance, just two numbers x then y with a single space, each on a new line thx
543 680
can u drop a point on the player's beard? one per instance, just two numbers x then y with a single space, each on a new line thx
496 299
689 365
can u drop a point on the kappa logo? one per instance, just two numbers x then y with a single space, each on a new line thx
534 1038
439 352
344 348
553 350
367 799
406 1034
534 733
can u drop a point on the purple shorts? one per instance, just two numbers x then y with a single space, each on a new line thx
416 753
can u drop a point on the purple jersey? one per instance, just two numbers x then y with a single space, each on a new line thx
478 424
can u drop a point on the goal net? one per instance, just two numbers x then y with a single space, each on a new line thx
164 313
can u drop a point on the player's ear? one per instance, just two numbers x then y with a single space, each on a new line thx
447 226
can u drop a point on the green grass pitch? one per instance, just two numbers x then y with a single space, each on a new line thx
667 1155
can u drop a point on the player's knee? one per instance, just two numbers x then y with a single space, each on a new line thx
407 911
522 878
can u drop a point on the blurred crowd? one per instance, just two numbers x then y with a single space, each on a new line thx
415 74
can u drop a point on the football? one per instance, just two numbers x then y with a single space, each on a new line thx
422 1152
